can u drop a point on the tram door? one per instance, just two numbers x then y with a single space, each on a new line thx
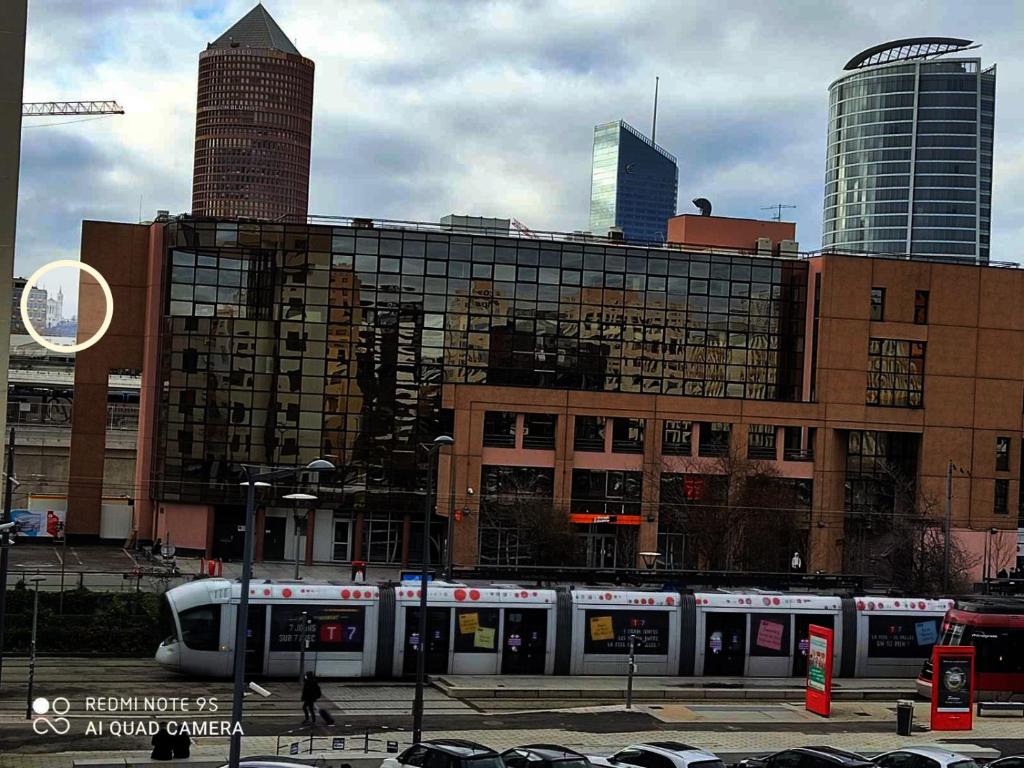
803 639
438 640
255 635
524 645
725 644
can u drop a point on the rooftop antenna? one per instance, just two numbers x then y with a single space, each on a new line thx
654 122
777 207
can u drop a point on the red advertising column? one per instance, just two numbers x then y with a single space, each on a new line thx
819 671
952 687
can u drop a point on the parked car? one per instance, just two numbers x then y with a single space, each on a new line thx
660 754
1011 761
809 757
544 756
445 753
924 757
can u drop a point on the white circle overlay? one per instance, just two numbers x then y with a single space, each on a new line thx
107 295
40 706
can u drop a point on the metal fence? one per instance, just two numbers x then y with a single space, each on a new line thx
58 413
294 743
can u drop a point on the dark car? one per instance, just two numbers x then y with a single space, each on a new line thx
544 756
1010 761
445 753
809 757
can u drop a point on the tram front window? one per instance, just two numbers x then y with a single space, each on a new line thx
167 628
200 627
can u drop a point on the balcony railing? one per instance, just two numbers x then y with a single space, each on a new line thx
499 441
120 417
539 442
798 454
593 444
761 452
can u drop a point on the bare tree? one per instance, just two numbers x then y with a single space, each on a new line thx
735 514
901 541
521 524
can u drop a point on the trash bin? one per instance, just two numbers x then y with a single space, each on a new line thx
359 571
904 716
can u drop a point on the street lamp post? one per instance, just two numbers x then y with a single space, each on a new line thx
5 542
32 649
255 476
421 647
297 497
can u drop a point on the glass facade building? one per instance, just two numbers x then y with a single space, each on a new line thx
281 343
634 185
909 160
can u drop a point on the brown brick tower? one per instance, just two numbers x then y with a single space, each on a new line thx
253 124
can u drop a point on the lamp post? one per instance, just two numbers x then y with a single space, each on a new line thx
5 540
297 497
449 539
421 647
32 648
255 476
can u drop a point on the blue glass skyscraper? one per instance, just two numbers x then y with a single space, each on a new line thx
634 184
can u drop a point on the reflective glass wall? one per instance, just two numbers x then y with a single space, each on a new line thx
909 163
282 343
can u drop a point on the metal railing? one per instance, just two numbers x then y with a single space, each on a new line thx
55 414
296 743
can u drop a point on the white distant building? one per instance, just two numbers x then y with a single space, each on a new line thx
55 309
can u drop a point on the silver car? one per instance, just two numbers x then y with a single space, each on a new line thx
659 754
924 757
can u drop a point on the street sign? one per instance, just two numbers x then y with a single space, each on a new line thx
338 743
392 746
952 687
818 697
293 748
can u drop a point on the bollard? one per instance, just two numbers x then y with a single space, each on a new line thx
904 717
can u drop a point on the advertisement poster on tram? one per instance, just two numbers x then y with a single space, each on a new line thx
819 671
952 687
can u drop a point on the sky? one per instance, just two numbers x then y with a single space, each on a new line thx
486 108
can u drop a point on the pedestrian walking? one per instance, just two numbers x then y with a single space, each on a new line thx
163 744
310 695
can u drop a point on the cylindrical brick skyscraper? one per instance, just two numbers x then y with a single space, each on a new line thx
254 120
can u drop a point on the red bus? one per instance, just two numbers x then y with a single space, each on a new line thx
995 627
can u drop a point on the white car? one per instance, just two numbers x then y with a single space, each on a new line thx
659 754
923 757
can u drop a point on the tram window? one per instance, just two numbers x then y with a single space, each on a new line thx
167 629
609 631
901 637
476 630
999 650
953 634
200 627
769 634
334 628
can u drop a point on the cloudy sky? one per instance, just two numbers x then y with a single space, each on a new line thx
486 108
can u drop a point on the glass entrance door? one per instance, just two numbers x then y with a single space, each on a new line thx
600 549
342 540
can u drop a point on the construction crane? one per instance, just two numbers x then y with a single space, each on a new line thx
61 108
521 228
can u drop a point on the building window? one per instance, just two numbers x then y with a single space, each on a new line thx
600 492
878 303
628 436
761 441
1002 454
499 429
921 307
539 431
589 434
895 373
798 443
676 438
999 501
714 439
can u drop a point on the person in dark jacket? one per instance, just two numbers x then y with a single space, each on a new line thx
182 746
310 694
163 744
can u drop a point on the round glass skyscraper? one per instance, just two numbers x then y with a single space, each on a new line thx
909 162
